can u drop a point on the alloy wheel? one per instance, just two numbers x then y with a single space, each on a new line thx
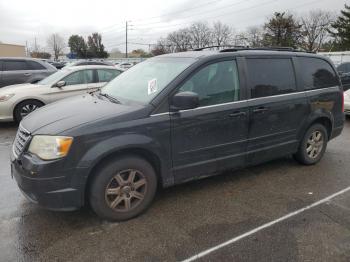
126 190
315 144
27 109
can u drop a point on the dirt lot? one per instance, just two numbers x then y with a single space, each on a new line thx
188 219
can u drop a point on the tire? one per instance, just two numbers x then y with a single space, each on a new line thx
26 106
313 145
112 190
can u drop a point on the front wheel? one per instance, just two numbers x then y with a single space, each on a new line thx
123 188
25 108
313 145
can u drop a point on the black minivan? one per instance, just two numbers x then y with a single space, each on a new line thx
174 118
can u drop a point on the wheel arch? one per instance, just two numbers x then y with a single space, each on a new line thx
323 119
143 153
23 100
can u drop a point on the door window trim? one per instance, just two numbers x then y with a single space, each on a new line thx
250 99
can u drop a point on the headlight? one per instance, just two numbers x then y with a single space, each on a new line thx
50 147
6 97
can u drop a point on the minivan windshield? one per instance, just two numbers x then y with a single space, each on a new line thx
145 80
54 78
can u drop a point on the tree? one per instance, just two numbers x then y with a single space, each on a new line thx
282 30
56 44
180 39
254 36
201 35
315 28
221 34
42 55
139 53
95 46
162 47
340 29
77 46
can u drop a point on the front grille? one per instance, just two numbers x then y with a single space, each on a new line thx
22 137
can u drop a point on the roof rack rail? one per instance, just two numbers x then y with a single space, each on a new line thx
217 46
286 49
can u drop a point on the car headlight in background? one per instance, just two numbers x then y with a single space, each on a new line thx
6 97
50 147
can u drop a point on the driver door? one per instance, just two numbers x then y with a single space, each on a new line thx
213 136
76 83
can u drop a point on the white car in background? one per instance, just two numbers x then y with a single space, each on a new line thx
347 102
17 101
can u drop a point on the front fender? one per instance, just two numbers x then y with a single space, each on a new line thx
124 142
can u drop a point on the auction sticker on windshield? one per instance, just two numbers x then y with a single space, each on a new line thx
152 86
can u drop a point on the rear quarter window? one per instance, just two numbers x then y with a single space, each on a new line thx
317 73
35 65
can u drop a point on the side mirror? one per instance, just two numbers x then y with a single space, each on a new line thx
60 84
184 100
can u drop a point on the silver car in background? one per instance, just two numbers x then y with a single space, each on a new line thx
17 101
23 70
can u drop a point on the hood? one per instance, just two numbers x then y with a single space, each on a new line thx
65 114
19 87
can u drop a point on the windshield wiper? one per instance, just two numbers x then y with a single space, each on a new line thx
110 98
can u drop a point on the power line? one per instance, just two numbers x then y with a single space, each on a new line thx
213 17
179 11
208 11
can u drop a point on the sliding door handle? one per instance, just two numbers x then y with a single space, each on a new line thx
260 110
237 114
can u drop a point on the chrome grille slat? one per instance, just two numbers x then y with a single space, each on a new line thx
22 137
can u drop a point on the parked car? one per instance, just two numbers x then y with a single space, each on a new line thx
125 65
82 63
58 65
347 102
174 118
23 70
344 72
18 101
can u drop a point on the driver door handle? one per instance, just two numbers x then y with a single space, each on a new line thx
27 74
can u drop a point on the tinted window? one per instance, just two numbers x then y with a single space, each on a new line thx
105 75
317 73
79 77
15 65
35 65
215 84
268 77
345 68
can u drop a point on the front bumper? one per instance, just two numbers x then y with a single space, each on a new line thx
46 184
6 112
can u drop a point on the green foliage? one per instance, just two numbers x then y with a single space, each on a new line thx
282 30
95 47
341 29
78 46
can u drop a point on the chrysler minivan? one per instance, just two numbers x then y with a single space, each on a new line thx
174 118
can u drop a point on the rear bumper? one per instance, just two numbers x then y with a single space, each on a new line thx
46 187
347 107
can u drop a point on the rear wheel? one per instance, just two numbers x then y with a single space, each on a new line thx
313 145
123 188
25 108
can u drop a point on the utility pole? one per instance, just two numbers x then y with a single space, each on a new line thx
126 39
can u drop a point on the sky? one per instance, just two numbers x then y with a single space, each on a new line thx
23 21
